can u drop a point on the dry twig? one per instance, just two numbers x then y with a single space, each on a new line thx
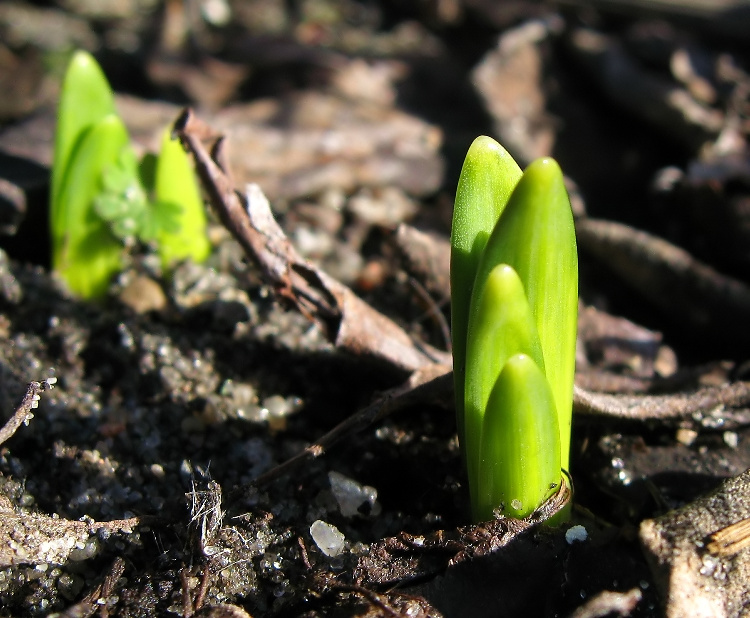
731 539
434 384
23 413
670 278
349 322
694 407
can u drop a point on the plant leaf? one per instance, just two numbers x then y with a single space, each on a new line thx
487 179
85 99
520 446
183 234
536 236
85 252
122 201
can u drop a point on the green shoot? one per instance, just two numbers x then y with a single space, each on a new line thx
85 99
488 177
520 450
523 302
85 252
495 335
536 236
176 191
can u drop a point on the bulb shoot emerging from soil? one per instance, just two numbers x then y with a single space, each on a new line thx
514 307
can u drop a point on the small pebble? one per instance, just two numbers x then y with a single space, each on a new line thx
686 436
731 439
576 533
143 294
350 495
328 538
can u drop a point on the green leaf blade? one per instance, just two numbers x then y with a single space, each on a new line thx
178 199
520 447
488 177
85 99
85 252
536 236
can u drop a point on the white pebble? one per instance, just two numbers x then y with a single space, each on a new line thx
731 439
350 495
328 538
576 533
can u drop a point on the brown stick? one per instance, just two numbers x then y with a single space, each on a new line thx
679 406
348 321
23 413
670 277
435 384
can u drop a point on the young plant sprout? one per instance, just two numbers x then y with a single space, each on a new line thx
98 203
89 139
181 230
514 307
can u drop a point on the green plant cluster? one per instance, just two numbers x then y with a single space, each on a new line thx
103 200
514 310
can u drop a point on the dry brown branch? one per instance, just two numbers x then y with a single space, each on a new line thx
348 321
665 274
731 539
670 278
710 405
23 413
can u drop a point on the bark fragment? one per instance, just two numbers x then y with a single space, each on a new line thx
692 580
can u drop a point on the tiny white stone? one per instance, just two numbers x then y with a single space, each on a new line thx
731 439
328 538
576 533
686 436
349 494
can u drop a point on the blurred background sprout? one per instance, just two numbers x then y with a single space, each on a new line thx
103 201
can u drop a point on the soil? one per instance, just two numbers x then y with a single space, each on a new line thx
146 482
